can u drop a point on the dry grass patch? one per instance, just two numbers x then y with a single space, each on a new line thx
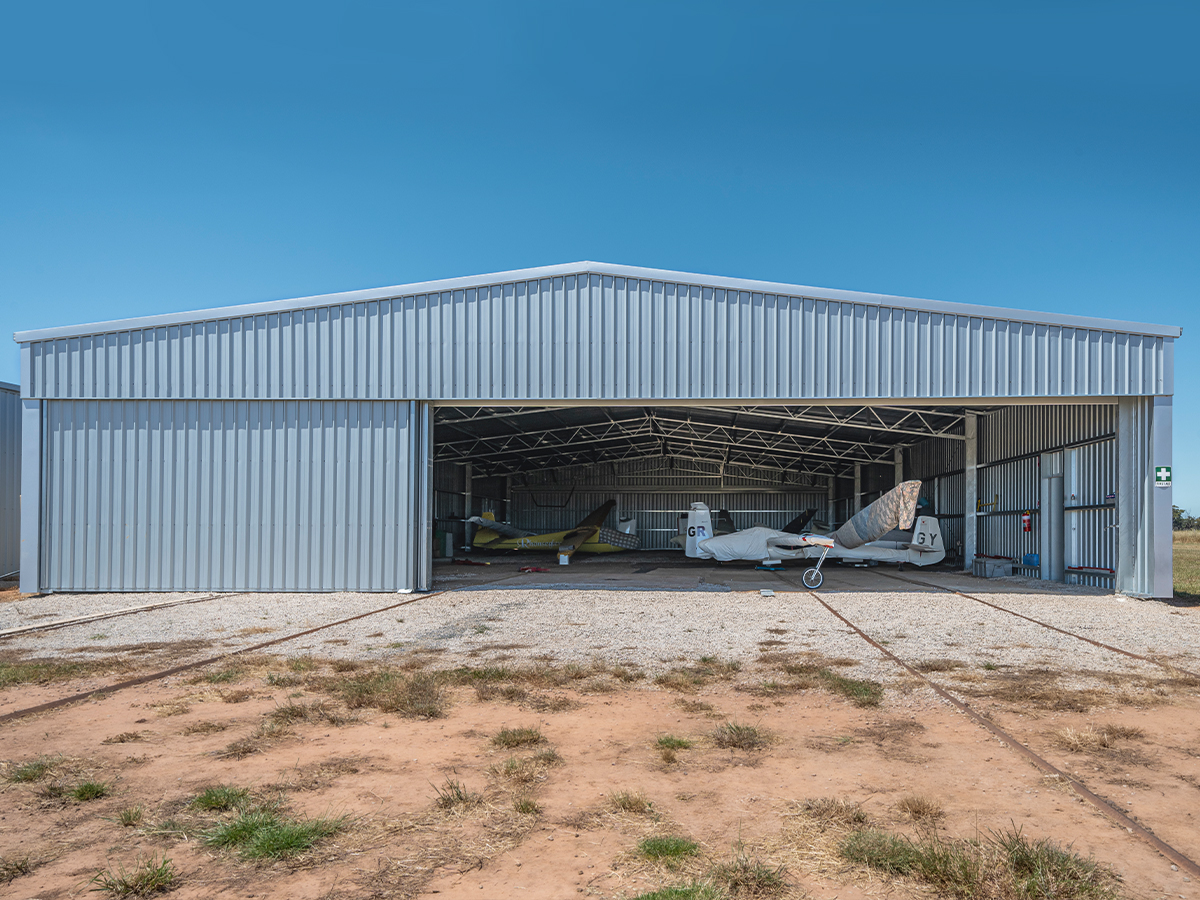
316 712
939 665
1092 739
633 802
172 708
125 737
921 808
205 727
419 695
834 811
239 696
511 738
266 734
13 867
1038 688
735 736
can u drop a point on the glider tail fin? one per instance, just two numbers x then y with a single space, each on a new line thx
485 535
699 528
927 538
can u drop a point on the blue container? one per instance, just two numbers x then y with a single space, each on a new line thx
1030 559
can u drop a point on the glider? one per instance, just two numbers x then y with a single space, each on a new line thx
589 536
868 535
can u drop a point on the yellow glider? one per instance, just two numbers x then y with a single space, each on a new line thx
589 536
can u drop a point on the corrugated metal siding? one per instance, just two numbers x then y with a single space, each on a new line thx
933 457
1022 430
1090 485
598 337
658 513
10 479
1013 488
201 495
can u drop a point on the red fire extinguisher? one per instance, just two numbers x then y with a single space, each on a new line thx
1026 521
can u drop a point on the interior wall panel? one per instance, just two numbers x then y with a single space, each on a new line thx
229 496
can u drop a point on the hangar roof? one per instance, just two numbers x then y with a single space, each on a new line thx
588 267
593 333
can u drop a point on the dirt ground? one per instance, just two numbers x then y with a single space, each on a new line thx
584 808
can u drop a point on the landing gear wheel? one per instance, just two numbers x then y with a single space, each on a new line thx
812 579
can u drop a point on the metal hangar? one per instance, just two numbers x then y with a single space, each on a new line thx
336 442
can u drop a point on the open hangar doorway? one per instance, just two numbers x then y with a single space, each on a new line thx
544 469
1024 489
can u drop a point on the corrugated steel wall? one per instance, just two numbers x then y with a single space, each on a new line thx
244 495
1090 485
1010 441
940 465
10 478
599 337
1006 490
1024 430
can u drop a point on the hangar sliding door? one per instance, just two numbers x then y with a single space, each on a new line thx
239 495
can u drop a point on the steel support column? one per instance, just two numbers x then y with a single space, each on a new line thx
31 495
1143 511
858 487
971 490
1161 518
899 472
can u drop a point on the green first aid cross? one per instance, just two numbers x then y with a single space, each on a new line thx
1162 476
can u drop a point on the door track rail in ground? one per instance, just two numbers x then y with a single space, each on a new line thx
99 693
112 614
1048 768
1157 662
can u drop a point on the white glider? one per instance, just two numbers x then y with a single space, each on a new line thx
867 536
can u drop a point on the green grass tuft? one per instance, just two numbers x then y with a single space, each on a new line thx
698 891
90 790
670 742
667 848
221 797
288 838
858 691
1004 865
130 816
526 806
34 770
454 795
150 876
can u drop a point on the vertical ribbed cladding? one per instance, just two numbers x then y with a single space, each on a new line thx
598 336
1090 486
1006 490
939 464
197 495
1023 430
448 493
10 478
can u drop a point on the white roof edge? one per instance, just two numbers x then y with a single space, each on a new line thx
5 386
597 268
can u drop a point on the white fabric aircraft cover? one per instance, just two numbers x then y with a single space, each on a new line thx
895 509
753 543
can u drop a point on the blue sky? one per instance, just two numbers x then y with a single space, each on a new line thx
159 157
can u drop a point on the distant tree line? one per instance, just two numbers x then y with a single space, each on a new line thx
1181 521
